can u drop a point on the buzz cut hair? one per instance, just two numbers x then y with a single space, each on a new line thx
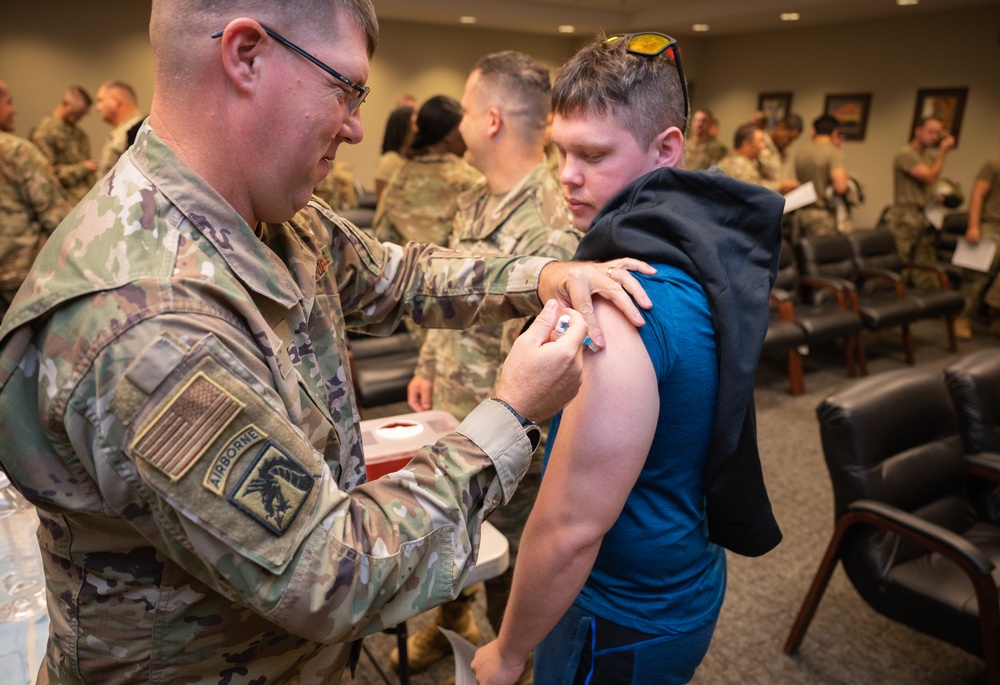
523 83
166 14
643 93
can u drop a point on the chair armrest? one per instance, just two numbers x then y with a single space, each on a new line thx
924 533
783 300
932 268
984 465
885 275
838 286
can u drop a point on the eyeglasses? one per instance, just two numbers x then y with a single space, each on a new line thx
651 45
362 90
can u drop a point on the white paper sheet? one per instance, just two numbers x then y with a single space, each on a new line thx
464 652
935 215
977 256
804 195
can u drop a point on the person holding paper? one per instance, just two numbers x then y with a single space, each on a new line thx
984 225
915 170
822 163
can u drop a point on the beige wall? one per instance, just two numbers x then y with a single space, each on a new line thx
890 59
43 50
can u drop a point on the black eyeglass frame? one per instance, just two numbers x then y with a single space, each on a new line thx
362 90
671 45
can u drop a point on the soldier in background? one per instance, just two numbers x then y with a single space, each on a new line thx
420 201
915 171
702 148
339 188
117 104
518 210
743 163
32 202
66 145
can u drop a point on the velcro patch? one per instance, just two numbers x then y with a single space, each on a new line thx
218 472
182 431
273 489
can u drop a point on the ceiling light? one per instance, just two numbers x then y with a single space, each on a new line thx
789 16
466 20
567 28
907 2
699 27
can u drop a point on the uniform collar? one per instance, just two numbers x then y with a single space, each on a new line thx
256 265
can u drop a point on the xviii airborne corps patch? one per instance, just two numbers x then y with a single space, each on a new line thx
273 490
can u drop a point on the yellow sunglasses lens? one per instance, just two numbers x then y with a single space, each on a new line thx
648 43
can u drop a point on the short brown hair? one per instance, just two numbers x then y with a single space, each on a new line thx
526 82
643 93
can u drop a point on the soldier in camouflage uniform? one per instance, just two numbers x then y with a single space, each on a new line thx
117 105
702 149
174 392
65 145
32 202
421 199
518 209
915 170
743 163
984 224
339 188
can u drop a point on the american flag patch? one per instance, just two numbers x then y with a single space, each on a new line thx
183 430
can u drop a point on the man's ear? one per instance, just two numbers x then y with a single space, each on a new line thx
494 121
242 46
669 147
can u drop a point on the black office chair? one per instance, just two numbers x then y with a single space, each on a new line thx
954 227
974 384
381 367
831 256
912 544
875 250
829 320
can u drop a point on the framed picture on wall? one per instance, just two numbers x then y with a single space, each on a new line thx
851 111
775 107
945 104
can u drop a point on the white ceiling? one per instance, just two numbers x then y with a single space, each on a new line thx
671 16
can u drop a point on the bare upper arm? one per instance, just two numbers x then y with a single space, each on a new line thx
606 431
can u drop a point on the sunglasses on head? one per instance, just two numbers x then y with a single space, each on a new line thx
650 44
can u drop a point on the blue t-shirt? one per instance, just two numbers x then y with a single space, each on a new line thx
656 570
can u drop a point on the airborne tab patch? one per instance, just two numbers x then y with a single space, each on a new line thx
273 489
218 472
183 430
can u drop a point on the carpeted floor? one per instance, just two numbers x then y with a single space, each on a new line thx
847 642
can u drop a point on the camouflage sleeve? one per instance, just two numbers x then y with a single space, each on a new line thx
197 445
427 360
43 192
379 283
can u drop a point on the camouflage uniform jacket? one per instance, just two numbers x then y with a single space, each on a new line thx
32 203
704 154
338 188
421 199
532 219
115 145
744 169
175 398
67 147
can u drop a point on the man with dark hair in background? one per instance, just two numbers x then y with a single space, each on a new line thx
66 145
822 163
